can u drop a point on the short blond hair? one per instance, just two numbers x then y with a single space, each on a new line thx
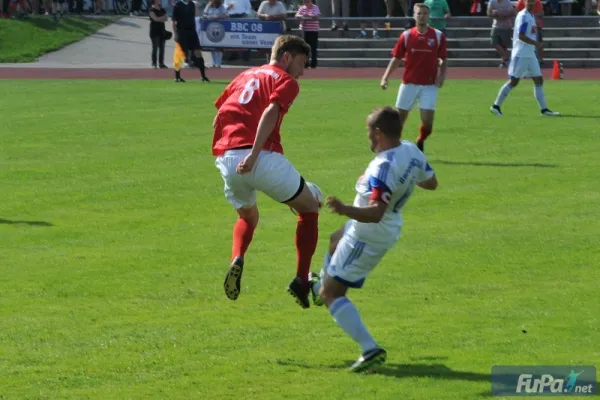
289 44
421 5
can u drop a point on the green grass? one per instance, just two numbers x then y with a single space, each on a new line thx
26 40
115 238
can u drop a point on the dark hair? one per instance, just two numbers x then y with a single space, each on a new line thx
388 120
289 44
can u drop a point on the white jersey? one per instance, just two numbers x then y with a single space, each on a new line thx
525 24
396 171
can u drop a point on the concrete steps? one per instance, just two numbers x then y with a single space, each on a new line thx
453 43
473 22
462 33
575 41
453 63
550 53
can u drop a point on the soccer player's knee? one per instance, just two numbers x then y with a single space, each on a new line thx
334 239
328 293
250 215
514 82
307 203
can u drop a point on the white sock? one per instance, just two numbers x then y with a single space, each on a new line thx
538 92
347 317
317 286
503 93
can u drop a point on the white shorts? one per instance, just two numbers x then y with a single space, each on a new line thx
272 174
410 93
353 260
528 67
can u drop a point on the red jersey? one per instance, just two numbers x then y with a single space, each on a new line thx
243 102
422 52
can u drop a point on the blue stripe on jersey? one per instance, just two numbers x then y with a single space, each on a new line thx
383 171
355 285
523 28
428 167
354 254
376 183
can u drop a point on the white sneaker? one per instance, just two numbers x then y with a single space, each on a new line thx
496 110
549 113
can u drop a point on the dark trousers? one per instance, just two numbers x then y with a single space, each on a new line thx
158 46
5 4
312 38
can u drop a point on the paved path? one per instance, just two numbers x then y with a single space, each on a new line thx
123 44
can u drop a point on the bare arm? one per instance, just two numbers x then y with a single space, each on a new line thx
267 123
429 184
373 213
164 18
265 127
394 63
524 38
443 67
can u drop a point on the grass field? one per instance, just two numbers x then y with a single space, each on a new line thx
115 238
43 35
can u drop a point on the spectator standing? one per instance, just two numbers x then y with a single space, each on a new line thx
309 13
215 10
439 12
238 9
158 34
369 8
503 13
390 5
272 10
340 8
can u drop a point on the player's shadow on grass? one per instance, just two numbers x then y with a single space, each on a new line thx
436 371
580 116
32 223
417 370
493 164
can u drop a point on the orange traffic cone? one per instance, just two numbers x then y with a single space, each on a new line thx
556 71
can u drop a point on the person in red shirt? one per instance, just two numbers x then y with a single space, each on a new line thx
421 48
538 13
249 154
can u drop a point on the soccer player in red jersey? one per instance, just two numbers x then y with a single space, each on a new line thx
249 153
421 48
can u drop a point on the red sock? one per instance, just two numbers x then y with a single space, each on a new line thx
307 234
242 236
423 133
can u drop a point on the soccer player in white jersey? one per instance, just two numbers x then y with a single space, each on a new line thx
523 61
374 226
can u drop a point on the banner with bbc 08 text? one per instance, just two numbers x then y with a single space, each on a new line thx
238 33
551 380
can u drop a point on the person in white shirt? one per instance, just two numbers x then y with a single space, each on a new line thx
523 61
374 227
272 10
238 8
